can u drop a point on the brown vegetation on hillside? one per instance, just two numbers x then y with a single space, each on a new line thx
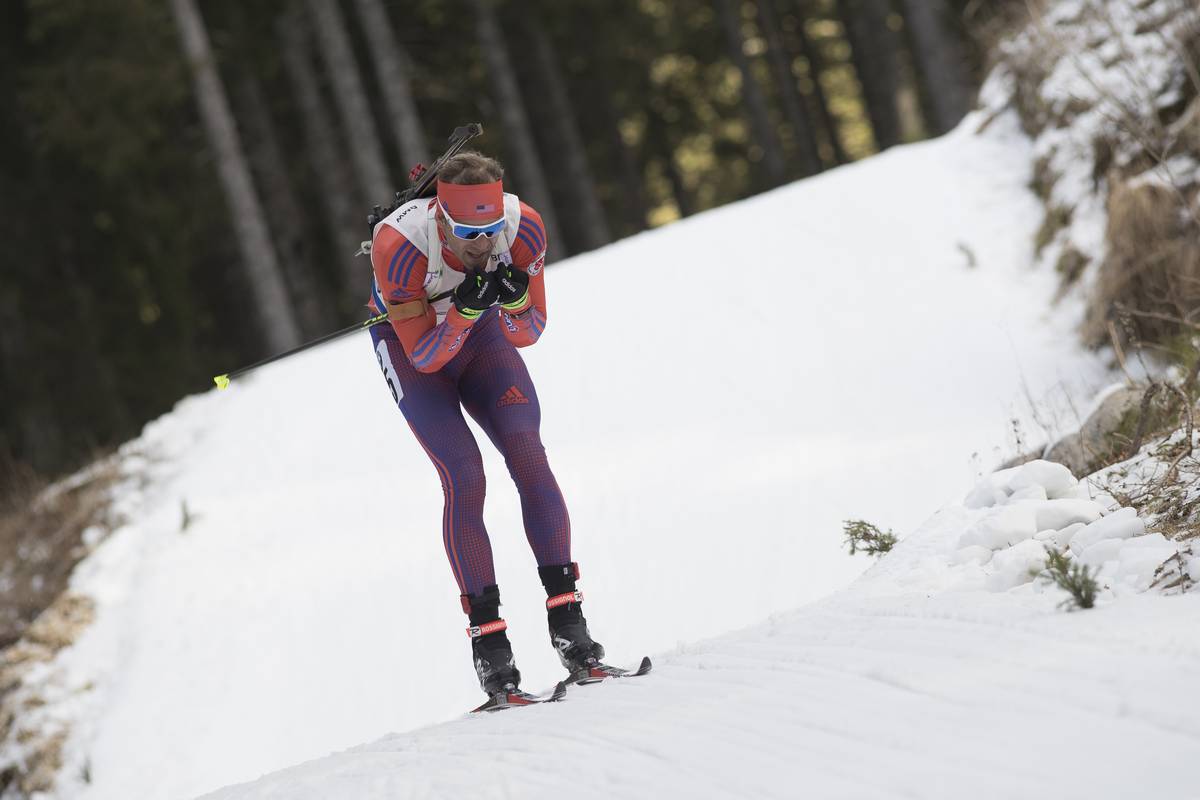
44 532
42 538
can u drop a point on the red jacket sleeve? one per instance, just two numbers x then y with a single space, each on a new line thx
524 324
400 269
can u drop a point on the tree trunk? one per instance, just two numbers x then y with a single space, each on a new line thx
679 190
873 49
941 63
592 225
284 212
107 407
33 436
347 223
598 88
752 95
265 279
633 192
816 66
660 141
366 153
789 93
394 70
530 178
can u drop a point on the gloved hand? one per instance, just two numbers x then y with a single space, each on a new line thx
476 294
513 284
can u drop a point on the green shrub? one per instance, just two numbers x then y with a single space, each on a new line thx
1078 580
864 537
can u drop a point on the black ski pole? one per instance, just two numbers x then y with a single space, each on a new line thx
222 381
422 177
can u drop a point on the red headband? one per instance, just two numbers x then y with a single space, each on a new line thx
472 203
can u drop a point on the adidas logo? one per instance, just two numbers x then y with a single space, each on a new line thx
512 397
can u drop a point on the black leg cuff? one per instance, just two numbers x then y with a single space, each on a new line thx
484 606
559 578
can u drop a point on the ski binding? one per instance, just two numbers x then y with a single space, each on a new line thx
598 672
517 698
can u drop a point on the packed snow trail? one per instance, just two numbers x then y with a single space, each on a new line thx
917 681
306 606
898 697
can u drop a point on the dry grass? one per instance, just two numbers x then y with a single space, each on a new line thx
1070 265
1140 160
1163 484
39 778
41 539
1153 265
1153 465
41 745
990 23
1152 269
1144 295
1057 218
1029 74
43 535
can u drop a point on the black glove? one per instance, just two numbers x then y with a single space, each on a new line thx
476 294
513 284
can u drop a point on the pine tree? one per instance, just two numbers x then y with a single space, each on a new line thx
279 327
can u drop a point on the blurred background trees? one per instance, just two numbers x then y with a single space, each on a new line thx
183 183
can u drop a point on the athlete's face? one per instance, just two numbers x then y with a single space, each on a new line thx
472 252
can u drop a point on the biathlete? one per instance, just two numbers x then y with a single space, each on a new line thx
487 249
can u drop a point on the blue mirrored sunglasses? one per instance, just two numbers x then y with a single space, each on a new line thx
470 232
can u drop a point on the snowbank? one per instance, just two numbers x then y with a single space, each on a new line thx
926 678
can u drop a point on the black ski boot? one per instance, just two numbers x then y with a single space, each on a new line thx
494 663
568 629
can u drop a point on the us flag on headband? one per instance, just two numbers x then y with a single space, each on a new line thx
482 208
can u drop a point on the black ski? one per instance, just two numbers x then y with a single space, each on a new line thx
593 674
516 699
599 672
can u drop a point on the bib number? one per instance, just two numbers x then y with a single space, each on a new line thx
389 372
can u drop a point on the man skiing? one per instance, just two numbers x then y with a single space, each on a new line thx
460 277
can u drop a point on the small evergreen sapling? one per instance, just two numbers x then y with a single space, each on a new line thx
1076 579
865 537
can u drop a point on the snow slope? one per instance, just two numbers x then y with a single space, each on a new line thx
923 679
306 606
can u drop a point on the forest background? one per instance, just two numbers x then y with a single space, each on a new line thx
184 183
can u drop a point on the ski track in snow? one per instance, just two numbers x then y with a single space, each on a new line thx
917 681
308 608
929 694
